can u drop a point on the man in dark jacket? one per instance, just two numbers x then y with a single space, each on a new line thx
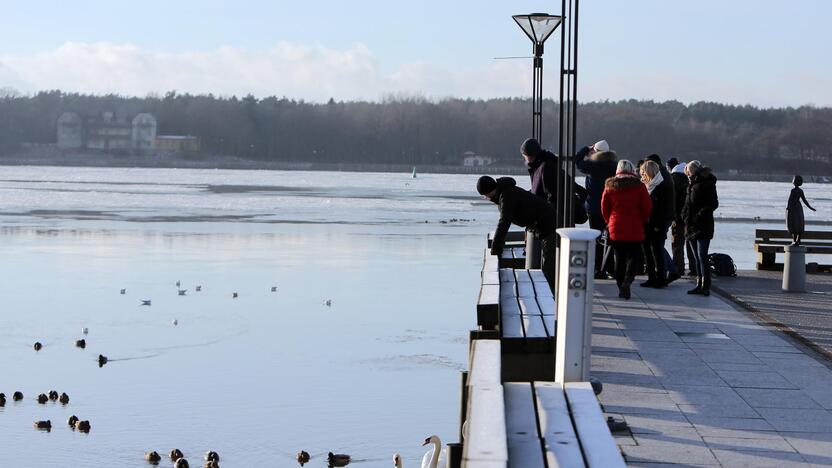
523 208
698 214
543 170
677 229
598 164
667 188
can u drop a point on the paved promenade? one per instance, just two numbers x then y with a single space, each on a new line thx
807 315
701 382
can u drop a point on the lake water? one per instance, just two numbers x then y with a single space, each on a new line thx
259 377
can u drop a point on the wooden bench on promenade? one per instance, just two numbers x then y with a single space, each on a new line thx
514 249
531 424
769 242
519 307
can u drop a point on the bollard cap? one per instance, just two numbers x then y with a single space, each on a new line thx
579 234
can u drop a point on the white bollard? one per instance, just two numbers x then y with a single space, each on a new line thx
794 269
575 288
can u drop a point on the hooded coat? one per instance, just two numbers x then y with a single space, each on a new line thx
597 168
680 191
700 204
661 216
545 176
523 208
626 208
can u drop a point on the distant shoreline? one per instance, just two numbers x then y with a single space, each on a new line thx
235 163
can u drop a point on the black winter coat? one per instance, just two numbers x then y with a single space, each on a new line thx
680 190
663 206
700 204
598 169
523 208
545 176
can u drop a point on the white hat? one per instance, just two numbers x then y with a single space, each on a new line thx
601 146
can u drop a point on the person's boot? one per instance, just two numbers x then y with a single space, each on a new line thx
625 288
698 288
706 286
651 282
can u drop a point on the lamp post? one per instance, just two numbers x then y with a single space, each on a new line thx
538 27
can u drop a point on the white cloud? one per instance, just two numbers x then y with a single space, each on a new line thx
298 71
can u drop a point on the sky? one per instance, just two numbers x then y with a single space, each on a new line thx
758 52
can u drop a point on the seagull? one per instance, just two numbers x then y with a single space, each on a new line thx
123 290
145 302
198 288
182 292
234 295
274 288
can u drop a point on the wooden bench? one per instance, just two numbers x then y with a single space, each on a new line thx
514 249
769 242
531 424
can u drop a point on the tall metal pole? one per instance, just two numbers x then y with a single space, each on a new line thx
567 125
533 247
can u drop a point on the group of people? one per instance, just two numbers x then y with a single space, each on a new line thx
634 205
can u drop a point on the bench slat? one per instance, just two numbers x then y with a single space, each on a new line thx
542 289
522 276
547 305
767 234
528 306
485 363
490 262
537 276
599 448
486 440
511 326
524 448
534 327
507 276
490 277
560 441
525 289
488 306
509 306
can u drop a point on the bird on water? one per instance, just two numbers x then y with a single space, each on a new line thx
338 459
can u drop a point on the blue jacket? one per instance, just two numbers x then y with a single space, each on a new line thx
597 169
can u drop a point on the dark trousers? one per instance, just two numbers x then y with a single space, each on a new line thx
679 246
627 258
596 221
654 259
700 254
548 260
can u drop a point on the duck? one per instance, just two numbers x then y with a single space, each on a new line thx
235 295
178 283
303 457
274 288
328 302
182 291
17 396
85 330
102 359
43 425
81 344
38 346
72 420
42 398
212 456
53 395
2 400
181 463
212 464
123 290
145 302
176 454
64 399
152 457
338 459
83 426
175 322
198 288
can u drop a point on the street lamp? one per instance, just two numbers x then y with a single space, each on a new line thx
538 27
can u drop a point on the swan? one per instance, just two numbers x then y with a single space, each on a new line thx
431 458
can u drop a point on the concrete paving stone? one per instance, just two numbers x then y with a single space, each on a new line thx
657 423
665 465
778 444
815 448
742 357
629 363
755 379
779 355
797 425
777 398
658 334
713 431
637 403
758 459
773 349
649 381
703 395
641 323
730 328
677 447
690 375
729 411
735 366
743 424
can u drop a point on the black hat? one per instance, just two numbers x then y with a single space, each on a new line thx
530 147
486 184
672 162
655 158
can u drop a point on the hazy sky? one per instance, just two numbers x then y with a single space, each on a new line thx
761 52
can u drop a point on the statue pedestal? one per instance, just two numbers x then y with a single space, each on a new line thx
794 269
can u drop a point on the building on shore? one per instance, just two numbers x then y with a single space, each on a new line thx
177 143
472 159
107 131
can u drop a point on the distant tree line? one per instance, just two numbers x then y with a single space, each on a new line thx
401 130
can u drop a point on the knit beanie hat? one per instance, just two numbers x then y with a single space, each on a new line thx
672 162
601 146
486 184
530 147
655 158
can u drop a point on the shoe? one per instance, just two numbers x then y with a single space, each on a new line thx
621 292
672 277
660 285
625 291
601 275
648 284
705 292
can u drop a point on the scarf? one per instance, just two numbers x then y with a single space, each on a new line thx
654 183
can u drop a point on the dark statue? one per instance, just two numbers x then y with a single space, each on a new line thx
795 222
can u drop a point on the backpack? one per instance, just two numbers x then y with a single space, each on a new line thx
722 264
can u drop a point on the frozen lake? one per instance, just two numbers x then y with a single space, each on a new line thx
259 377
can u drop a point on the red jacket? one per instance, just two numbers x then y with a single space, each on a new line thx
626 207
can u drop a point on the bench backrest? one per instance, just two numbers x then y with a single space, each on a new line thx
485 438
766 235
